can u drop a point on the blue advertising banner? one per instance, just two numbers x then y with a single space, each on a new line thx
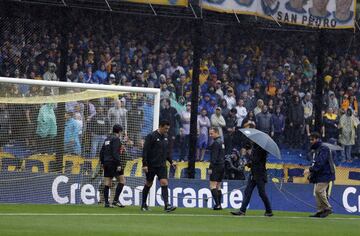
81 189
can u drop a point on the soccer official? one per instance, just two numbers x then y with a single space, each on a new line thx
110 160
217 166
155 153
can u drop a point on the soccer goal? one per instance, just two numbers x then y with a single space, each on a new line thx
51 134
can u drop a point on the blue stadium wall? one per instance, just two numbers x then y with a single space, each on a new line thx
81 189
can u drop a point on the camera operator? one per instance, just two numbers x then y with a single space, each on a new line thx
235 166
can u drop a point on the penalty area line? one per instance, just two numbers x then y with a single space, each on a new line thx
167 215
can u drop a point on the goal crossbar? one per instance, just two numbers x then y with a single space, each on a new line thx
127 89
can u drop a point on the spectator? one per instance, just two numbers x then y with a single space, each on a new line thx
296 120
185 131
259 106
330 127
230 130
5 130
203 125
99 128
333 102
263 121
347 126
218 121
170 114
50 73
241 112
101 75
118 114
46 128
249 121
278 125
230 98
71 135
308 111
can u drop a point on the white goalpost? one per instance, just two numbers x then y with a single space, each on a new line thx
51 133
125 89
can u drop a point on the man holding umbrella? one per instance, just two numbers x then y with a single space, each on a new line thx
262 144
258 178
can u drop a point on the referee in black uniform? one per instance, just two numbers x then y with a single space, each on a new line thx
110 161
217 166
155 153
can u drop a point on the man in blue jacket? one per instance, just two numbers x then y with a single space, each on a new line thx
321 173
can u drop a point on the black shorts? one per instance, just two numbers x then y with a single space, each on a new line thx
110 170
217 173
161 173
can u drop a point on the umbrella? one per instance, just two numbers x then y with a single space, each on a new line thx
263 140
333 147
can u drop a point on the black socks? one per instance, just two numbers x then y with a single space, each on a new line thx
165 195
145 193
106 194
118 191
215 196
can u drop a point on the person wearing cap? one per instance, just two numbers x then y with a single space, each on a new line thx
111 164
333 101
230 98
218 121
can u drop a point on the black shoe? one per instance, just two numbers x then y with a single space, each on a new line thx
169 208
269 214
145 208
217 208
238 213
317 214
118 204
326 213
108 205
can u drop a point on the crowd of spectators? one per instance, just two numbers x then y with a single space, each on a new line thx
257 78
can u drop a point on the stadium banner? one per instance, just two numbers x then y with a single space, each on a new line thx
189 193
335 14
180 3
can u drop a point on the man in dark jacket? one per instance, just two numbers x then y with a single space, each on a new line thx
263 121
322 172
258 178
170 114
296 122
155 154
111 163
216 168
235 166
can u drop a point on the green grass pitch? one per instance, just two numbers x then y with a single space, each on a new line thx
68 220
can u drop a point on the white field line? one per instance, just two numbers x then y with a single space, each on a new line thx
168 215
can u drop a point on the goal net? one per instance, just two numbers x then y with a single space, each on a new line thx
51 134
